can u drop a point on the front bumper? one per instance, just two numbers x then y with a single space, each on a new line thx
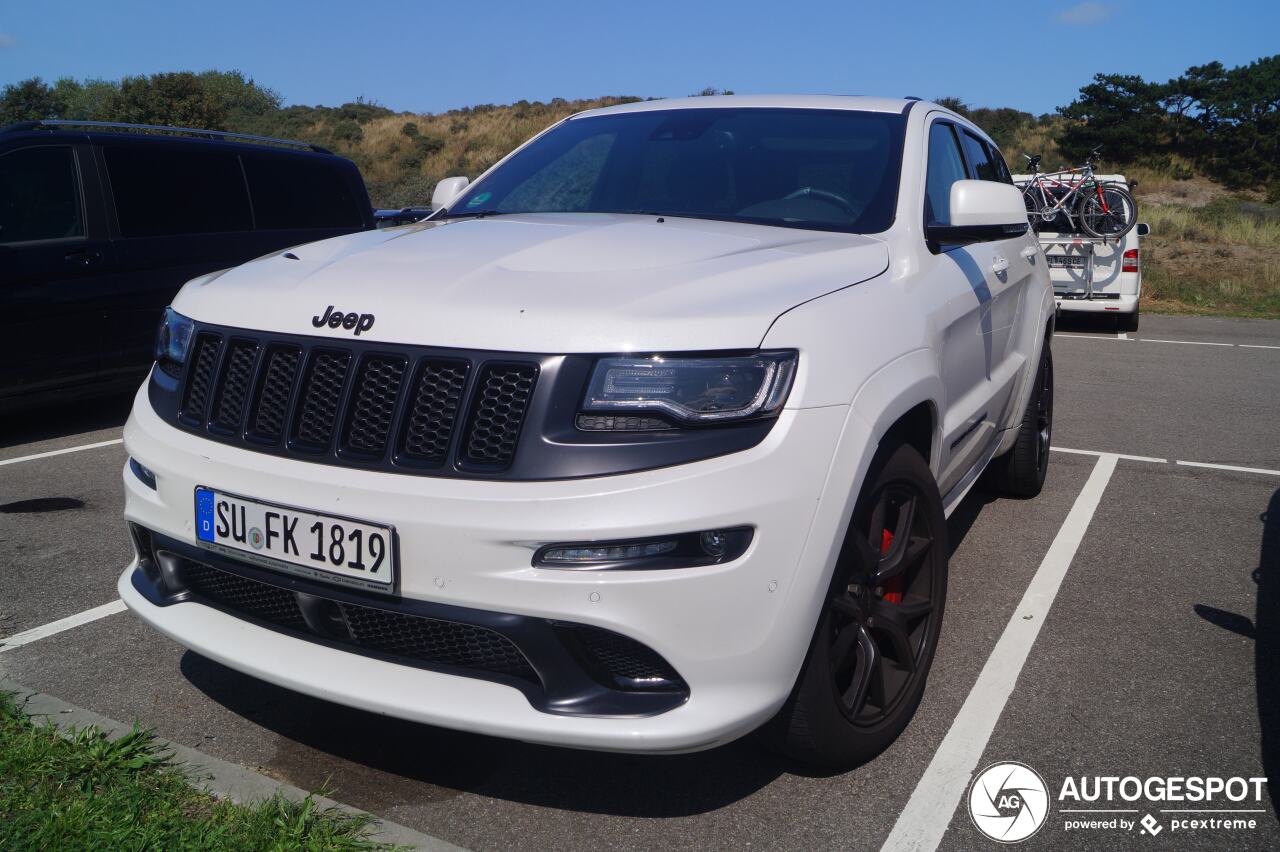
736 633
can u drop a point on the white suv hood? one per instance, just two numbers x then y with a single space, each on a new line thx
552 283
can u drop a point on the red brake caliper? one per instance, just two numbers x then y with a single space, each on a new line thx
892 588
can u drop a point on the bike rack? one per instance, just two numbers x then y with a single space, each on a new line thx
1085 247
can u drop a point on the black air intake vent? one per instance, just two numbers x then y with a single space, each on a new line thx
233 393
501 400
374 405
322 390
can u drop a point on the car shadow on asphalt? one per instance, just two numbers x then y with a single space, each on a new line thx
965 516
1264 630
1086 323
561 778
1267 645
59 420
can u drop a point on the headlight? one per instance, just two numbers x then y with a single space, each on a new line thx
694 390
173 341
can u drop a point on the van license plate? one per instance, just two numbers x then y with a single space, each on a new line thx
308 544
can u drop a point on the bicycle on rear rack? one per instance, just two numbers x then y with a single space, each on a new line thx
1101 210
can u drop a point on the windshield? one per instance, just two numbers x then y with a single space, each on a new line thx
826 169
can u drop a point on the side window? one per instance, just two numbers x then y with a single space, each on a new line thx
299 192
985 160
166 191
946 166
1002 168
979 155
39 195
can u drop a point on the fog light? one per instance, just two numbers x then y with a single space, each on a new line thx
685 550
609 553
715 542
143 473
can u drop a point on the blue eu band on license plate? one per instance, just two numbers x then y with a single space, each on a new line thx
204 514
296 541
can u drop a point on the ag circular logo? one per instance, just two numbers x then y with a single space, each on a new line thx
255 538
1008 802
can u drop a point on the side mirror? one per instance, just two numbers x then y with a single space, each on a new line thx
981 210
1143 229
447 190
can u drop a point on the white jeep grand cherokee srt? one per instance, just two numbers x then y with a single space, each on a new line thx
643 441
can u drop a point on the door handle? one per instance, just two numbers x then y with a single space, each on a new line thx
1030 252
86 257
999 263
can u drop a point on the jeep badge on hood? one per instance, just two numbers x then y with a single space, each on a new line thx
334 319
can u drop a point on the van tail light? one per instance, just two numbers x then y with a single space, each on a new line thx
1130 262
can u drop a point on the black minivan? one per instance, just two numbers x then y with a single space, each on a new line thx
101 224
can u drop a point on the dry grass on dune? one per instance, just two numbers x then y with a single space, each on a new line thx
403 156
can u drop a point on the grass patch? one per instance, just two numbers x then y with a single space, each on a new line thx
80 789
1219 258
1227 220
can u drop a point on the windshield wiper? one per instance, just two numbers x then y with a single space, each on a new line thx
472 214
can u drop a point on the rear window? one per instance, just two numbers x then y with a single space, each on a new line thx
39 195
297 192
165 191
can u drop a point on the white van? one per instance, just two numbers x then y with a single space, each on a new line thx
1095 275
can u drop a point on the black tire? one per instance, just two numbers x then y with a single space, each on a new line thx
865 672
1127 322
1021 471
1112 224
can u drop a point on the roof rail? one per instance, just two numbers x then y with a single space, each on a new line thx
55 123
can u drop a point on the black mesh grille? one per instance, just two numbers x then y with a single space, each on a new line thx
200 381
501 398
374 405
437 396
237 377
626 659
359 403
321 395
430 640
443 642
273 395
259 600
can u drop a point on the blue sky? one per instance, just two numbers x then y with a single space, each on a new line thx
432 56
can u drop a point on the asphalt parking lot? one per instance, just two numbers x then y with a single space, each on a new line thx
1124 623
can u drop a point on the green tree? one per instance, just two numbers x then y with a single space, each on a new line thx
177 98
87 101
28 100
1121 112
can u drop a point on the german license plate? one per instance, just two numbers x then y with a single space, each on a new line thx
1064 261
321 547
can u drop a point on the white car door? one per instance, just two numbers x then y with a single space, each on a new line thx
1009 275
975 310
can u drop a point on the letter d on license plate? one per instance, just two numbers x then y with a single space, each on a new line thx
296 541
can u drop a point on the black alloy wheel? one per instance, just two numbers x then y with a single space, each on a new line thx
867 664
880 617
1044 415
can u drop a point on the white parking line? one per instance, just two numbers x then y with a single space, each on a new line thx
1123 336
1097 454
1231 467
924 820
1187 342
26 637
62 452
